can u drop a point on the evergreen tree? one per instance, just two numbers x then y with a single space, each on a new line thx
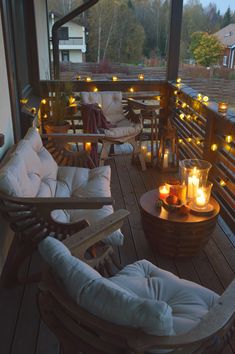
227 18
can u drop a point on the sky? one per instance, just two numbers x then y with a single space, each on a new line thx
222 5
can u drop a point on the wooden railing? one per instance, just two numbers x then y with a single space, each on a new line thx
206 134
199 127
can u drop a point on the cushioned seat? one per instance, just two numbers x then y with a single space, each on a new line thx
124 130
140 296
32 172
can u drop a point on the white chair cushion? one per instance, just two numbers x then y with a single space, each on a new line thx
49 167
189 301
103 297
84 182
16 181
110 102
124 128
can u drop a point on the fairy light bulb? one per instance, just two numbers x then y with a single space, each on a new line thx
205 98
95 89
199 97
184 105
175 92
43 101
188 116
180 141
88 79
214 147
182 116
178 80
131 89
114 78
222 183
228 138
189 140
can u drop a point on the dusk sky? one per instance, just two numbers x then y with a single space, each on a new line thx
222 5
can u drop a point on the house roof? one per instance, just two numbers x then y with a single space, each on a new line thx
227 35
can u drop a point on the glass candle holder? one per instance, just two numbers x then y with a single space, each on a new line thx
203 195
222 107
194 174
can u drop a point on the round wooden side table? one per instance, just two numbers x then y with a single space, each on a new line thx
172 234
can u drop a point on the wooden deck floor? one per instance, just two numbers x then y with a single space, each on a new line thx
22 332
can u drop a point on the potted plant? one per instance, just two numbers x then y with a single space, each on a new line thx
57 110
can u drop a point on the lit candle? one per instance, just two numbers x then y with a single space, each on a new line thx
148 156
88 147
165 158
163 192
144 150
71 100
201 198
193 184
222 107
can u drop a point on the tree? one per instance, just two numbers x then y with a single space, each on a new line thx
63 6
227 18
208 50
195 41
114 32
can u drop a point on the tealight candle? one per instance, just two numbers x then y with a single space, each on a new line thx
144 150
148 156
163 191
165 158
201 198
222 107
88 147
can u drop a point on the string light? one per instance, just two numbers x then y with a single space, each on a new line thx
176 92
214 147
88 79
199 97
141 76
33 110
131 89
223 183
184 105
205 98
188 116
95 89
182 116
228 138
114 78
178 80
189 139
180 141
43 101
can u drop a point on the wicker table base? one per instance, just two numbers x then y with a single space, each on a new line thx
172 234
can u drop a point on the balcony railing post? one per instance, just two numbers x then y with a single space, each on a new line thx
174 39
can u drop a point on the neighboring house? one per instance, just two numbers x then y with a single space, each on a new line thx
227 37
72 44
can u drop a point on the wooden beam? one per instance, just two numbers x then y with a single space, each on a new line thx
174 39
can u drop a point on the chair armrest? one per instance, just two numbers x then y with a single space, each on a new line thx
82 240
215 323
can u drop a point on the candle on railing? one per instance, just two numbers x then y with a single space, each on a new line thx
201 198
222 107
165 158
163 191
148 156
193 184
144 150
88 147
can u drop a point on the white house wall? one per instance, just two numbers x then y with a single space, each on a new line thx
7 129
42 38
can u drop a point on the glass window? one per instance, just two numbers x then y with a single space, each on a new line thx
207 49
